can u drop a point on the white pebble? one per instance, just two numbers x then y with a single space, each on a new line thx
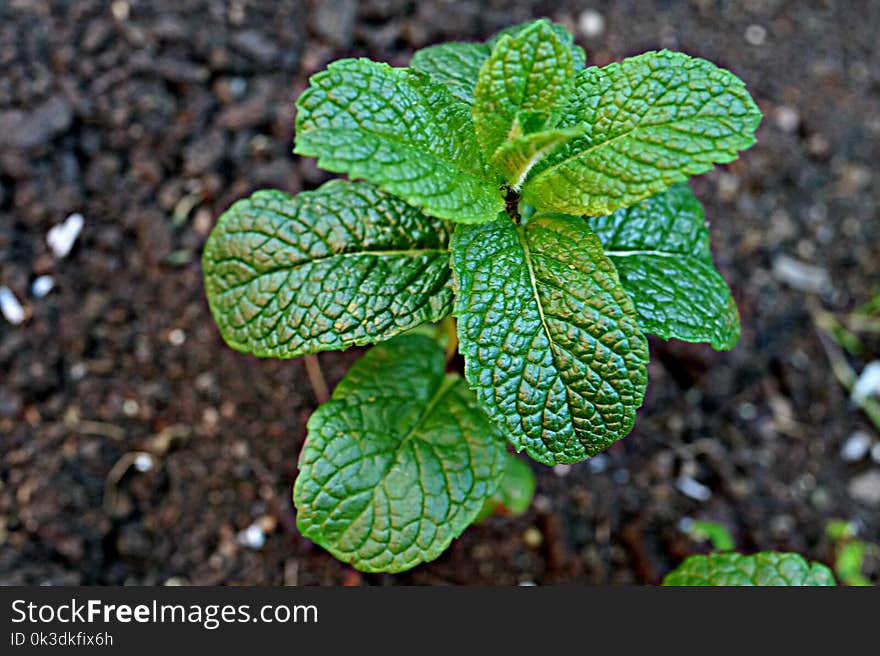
756 34
252 537
787 118
177 337
562 470
10 306
42 286
527 584
693 489
591 23
801 276
868 383
856 447
78 371
130 407
143 462
61 237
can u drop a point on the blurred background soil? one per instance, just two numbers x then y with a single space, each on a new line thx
136 448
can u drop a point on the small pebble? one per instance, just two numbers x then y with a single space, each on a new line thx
143 462
562 470
78 371
747 411
120 10
252 537
177 337
868 383
61 237
787 118
42 285
801 276
527 584
533 538
693 489
756 34
591 23
10 307
865 488
856 447
130 407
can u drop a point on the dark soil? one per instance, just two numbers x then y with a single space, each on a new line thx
150 118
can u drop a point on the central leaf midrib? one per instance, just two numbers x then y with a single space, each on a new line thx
520 234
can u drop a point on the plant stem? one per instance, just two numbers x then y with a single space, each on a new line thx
316 378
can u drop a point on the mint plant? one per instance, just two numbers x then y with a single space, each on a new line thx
539 202
767 568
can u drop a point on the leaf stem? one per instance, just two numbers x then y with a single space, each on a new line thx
316 378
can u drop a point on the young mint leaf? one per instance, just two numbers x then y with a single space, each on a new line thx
398 463
457 65
650 121
514 493
402 131
660 248
528 74
767 568
514 159
549 336
577 53
345 264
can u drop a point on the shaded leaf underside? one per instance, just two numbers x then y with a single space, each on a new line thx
660 248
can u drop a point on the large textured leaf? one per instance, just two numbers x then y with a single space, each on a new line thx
456 64
400 130
345 264
549 336
527 75
650 121
398 463
767 568
661 250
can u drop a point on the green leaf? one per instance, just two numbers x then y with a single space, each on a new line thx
527 75
577 53
514 493
457 65
660 248
767 568
549 336
398 463
402 131
516 158
343 265
650 121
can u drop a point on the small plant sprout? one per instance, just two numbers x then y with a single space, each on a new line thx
539 202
